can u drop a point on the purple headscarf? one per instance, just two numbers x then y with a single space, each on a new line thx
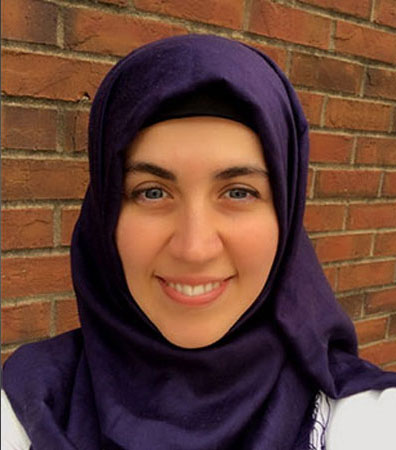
117 383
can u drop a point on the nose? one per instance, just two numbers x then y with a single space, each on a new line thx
196 236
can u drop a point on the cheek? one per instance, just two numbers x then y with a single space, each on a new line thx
137 242
256 243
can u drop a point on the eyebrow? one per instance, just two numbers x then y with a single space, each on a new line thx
223 174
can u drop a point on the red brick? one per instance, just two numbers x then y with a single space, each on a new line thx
312 106
58 78
76 131
331 275
361 8
66 315
68 220
281 22
390 367
347 183
325 73
96 31
336 248
227 13
324 217
381 83
352 305
392 325
27 228
43 179
5 355
330 148
357 115
279 55
25 322
365 216
35 275
381 353
309 183
389 187
385 244
28 128
366 42
385 12
23 21
357 276
381 301
371 330
380 151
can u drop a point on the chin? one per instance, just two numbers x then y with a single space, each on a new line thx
190 341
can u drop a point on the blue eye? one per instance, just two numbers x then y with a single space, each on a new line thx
153 194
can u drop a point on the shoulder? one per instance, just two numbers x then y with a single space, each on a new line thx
365 420
13 435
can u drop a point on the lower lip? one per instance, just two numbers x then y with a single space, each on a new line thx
196 300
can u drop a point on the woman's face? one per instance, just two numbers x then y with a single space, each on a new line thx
187 218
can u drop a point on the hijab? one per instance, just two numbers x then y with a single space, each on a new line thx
117 383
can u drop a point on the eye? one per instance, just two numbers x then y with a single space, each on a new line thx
155 193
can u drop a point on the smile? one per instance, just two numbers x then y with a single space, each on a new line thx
201 294
192 291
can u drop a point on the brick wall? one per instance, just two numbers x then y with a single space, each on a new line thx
339 54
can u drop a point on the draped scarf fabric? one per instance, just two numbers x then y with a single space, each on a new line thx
117 383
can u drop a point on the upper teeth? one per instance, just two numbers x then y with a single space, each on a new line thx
194 290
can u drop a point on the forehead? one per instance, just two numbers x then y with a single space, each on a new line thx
200 140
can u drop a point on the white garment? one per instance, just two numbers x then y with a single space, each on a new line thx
364 421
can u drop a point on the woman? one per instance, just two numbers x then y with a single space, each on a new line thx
198 161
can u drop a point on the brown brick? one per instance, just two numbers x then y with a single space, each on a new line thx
385 244
330 148
35 275
381 83
68 220
279 55
227 13
25 322
97 31
392 325
389 367
347 183
357 276
23 20
331 275
389 187
371 330
28 128
385 12
324 217
5 355
43 179
76 131
27 228
381 301
361 8
336 248
66 315
58 78
381 353
352 305
376 151
312 105
362 216
325 73
357 115
366 42
281 22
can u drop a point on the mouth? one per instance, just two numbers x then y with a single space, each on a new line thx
194 295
